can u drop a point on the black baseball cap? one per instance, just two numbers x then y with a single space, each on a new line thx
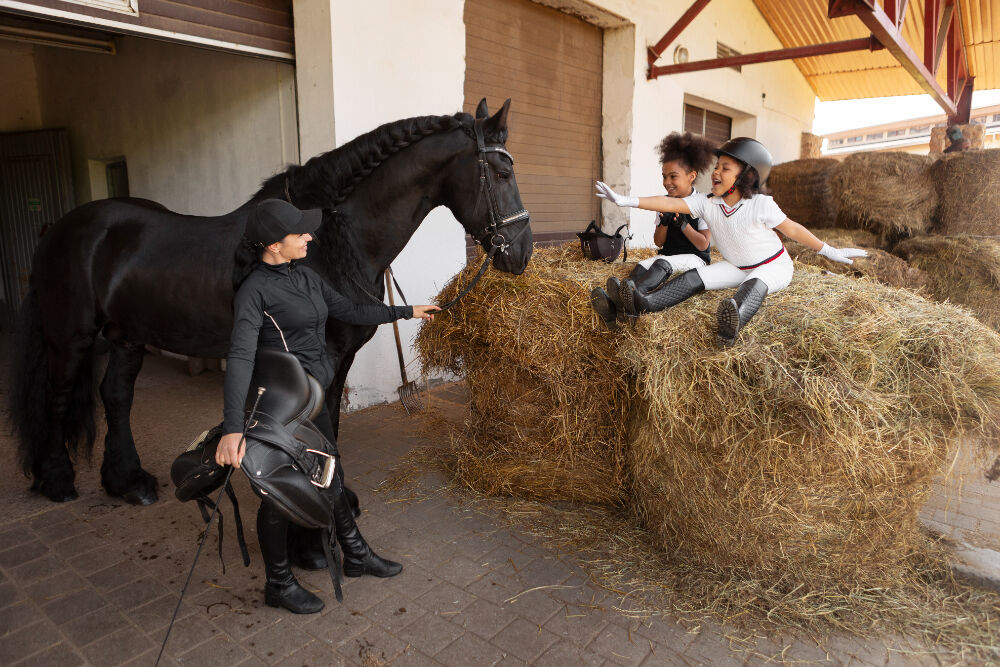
273 219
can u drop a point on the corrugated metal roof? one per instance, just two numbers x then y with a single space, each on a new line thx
866 74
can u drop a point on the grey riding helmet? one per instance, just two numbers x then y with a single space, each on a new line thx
749 151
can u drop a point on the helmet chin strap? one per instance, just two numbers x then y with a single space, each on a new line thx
733 189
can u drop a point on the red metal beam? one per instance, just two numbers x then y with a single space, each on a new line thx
888 34
654 52
860 44
944 26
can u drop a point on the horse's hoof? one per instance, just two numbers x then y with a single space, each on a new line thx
57 493
140 497
138 489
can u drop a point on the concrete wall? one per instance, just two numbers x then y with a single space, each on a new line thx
391 60
199 129
20 110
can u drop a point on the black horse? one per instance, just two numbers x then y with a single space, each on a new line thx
134 273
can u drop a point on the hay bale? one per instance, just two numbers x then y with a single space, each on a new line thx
960 269
889 194
803 454
968 196
547 393
803 189
879 265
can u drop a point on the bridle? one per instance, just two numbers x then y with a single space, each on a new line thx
492 232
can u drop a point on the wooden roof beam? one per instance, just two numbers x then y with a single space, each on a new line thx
654 52
887 32
860 44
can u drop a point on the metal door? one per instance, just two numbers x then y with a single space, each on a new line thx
35 191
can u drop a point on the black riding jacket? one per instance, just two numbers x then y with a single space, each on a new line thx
285 306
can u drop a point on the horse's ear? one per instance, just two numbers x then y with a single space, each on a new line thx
482 111
499 121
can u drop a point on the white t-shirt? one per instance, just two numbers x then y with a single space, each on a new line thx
744 234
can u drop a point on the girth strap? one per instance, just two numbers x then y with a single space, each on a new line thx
333 562
205 502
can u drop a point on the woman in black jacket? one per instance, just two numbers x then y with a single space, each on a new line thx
283 305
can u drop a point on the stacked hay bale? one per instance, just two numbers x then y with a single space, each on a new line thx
889 194
961 269
968 196
804 190
879 265
547 394
799 456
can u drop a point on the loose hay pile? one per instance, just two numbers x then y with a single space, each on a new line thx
968 196
961 269
890 194
782 476
879 265
803 189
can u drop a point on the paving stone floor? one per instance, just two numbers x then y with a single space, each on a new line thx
95 581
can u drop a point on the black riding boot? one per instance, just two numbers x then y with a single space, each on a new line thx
305 548
684 286
359 558
734 313
281 590
605 308
651 280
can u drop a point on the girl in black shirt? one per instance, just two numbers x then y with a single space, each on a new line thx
683 240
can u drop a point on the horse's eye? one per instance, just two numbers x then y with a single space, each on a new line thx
504 175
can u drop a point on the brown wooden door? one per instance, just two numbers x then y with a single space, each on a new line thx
549 64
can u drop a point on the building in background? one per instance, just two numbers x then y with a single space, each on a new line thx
911 136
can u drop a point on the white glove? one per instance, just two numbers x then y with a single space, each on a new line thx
842 255
604 192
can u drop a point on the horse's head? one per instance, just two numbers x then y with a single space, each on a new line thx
485 198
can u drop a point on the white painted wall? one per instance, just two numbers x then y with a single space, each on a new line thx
394 60
200 130
20 110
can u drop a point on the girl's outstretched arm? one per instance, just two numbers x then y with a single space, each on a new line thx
662 204
797 232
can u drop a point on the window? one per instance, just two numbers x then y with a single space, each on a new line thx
837 142
854 140
711 125
996 118
874 137
895 133
923 129
723 51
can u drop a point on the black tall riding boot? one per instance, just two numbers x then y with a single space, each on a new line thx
305 548
734 313
281 590
684 286
605 308
359 558
651 280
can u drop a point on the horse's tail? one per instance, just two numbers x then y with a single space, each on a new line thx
30 388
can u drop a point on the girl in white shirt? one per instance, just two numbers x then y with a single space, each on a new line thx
742 222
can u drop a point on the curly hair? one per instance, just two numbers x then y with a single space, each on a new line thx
694 152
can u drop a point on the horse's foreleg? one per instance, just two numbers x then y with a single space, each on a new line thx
121 473
334 394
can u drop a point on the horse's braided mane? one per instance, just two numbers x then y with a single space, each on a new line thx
329 178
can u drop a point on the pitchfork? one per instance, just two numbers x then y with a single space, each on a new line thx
409 392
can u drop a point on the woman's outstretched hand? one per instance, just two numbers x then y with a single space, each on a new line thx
230 451
605 192
842 255
425 312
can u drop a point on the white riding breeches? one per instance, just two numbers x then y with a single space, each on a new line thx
776 274
679 263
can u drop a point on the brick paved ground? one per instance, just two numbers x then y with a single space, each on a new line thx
95 581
